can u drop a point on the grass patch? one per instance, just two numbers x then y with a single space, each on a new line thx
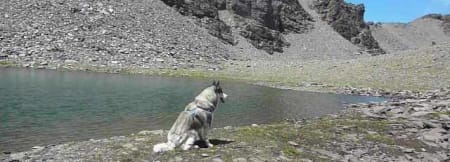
324 130
436 115
7 64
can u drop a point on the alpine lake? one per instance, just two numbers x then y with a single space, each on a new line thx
42 107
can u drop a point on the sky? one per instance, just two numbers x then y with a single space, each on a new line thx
401 10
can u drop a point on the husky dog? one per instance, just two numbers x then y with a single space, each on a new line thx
194 122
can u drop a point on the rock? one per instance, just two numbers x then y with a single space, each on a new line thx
3 55
153 132
444 117
178 159
408 150
283 158
140 139
207 14
254 159
70 62
428 125
414 124
264 38
228 127
255 125
279 15
420 113
239 160
293 143
44 63
433 135
204 155
159 60
37 147
18 156
332 155
216 160
242 144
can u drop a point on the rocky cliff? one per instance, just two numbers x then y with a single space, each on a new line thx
264 22
348 20
267 20
261 22
205 13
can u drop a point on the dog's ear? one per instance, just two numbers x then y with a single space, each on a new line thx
218 82
214 83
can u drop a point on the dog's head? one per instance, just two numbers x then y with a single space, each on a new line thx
218 91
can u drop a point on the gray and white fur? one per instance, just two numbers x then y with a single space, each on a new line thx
194 122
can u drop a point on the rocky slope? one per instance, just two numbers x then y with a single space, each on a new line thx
142 33
422 32
153 34
174 34
444 18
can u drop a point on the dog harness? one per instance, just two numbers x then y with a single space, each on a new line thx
208 117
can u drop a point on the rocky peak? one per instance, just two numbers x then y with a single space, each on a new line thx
348 20
444 18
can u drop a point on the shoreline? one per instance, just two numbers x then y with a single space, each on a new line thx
230 74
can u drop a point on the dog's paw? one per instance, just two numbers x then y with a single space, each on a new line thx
186 147
210 145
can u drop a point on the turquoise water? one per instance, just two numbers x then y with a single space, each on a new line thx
40 107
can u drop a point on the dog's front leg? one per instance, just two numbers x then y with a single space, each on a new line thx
204 136
189 143
209 143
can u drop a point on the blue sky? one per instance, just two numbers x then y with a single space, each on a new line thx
401 10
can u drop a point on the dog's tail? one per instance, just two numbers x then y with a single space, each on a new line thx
162 147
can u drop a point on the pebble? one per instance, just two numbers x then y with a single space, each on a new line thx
239 160
228 127
293 143
37 147
408 150
153 132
